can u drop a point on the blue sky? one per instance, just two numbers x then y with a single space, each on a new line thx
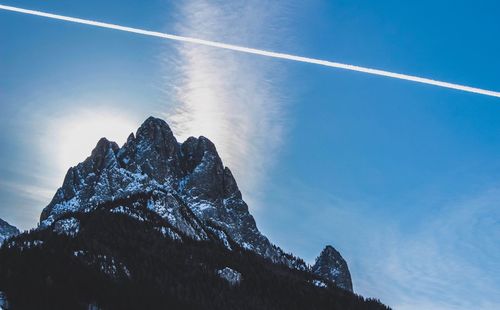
402 178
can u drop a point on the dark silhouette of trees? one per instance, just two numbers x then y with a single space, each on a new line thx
117 262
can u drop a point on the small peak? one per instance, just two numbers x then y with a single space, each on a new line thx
103 146
207 144
198 145
131 137
5 224
152 122
329 253
194 149
329 250
155 128
331 266
99 157
190 141
102 141
7 230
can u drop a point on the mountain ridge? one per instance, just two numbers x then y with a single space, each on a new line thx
189 173
152 159
181 191
124 255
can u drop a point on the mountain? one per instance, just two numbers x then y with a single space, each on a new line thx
178 175
330 265
161 223
7 231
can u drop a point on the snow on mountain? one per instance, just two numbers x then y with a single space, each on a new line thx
7 231
69 226
232 276
332 267
185 183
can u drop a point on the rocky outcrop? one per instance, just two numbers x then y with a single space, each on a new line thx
331 266
232 276
7 231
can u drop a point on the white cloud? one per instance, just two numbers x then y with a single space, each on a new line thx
231 98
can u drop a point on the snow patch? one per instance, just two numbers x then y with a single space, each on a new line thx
24 245
169 233
247 246
69 227
106 264
201 206
129 212
222 237
230 275
319 283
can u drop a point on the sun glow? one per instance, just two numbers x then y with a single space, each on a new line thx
70 140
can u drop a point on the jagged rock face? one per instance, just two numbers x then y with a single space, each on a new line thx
189 175
331 266
7 231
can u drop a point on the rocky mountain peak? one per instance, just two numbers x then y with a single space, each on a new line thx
103 154
329 251
194 151
204 169
153 151
331 266
207 176
103 146
156 131
7 231
131 137
182 181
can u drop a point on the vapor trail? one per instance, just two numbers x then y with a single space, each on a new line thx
255 51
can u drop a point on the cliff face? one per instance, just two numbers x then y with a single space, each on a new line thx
330 265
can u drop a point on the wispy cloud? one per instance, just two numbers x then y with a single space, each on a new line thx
20 200
35 193
447 262
230 98
450 261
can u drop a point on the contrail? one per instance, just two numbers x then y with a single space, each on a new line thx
255 51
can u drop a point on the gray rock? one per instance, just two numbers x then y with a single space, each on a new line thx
230 275
331 266
7 231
